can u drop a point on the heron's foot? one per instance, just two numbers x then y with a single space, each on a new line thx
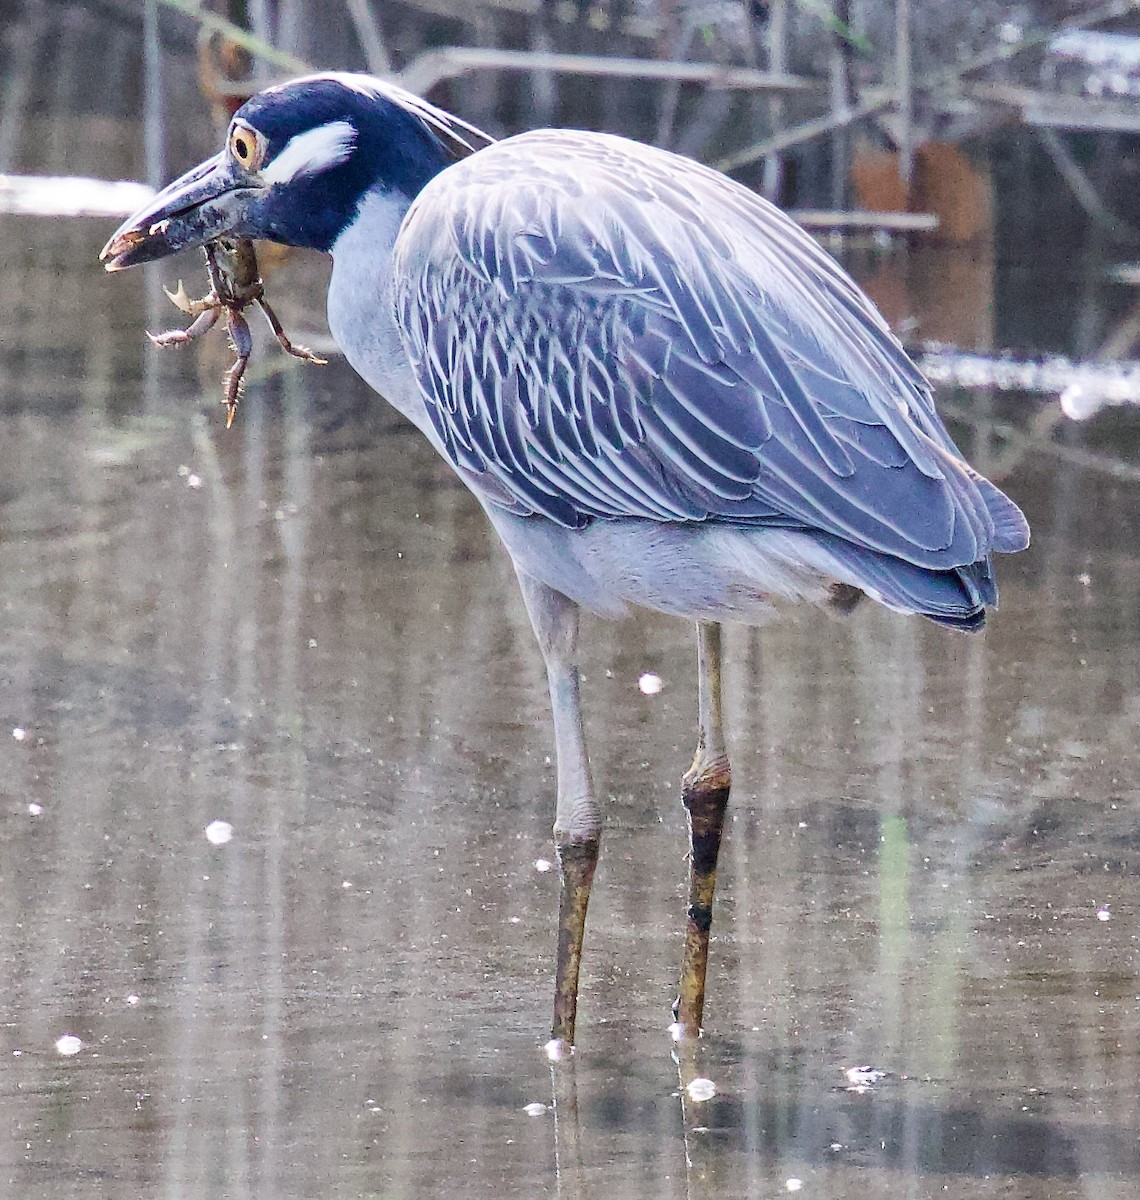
706 799
577 861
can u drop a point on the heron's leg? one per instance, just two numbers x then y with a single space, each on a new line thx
704 793
578 819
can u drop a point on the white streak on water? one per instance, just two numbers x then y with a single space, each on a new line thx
1084 388
71 196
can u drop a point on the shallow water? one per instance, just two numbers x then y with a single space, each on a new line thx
303 628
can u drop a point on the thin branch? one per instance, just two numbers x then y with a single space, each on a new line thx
241 37
1081 186
367 29
806 131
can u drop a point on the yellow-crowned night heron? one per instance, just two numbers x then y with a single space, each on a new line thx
661 391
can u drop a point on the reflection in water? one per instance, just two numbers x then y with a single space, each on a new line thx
53 196
1083 388
303 630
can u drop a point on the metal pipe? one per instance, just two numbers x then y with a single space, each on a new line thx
427 70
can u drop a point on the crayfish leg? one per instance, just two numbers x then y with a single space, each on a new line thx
179 337
242 342
302 352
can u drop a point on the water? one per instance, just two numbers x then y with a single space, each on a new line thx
300 634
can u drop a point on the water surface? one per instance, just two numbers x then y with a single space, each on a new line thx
304 629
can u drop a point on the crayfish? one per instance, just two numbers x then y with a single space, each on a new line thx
235 284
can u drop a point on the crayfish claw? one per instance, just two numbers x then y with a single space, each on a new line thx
180 298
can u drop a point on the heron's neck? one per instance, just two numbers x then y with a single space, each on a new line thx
360 309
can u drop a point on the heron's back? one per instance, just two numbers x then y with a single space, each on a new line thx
604 332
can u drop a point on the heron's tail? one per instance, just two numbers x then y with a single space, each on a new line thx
947 593
957 597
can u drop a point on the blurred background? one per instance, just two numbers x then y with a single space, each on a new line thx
276 908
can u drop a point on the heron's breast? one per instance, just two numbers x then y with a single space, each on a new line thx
361 310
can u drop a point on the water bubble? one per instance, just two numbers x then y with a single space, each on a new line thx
68 1045
219 832
863 1077
650 684
535 1109
701 1089
556 1050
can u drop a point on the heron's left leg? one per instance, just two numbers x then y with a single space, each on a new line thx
578 819
704 793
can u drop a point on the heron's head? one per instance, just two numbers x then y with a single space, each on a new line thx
297 160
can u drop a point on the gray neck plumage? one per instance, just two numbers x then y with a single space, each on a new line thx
360 309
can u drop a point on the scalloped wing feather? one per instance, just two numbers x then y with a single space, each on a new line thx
601 329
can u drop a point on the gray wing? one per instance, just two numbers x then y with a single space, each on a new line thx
601 329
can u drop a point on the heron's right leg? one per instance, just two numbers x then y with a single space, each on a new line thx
704 792
578 819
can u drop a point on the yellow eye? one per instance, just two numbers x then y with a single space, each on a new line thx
247 147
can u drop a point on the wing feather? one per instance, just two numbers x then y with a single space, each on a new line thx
601 329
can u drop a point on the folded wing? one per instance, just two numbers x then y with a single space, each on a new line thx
601 329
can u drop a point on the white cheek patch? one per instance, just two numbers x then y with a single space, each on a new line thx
311 152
